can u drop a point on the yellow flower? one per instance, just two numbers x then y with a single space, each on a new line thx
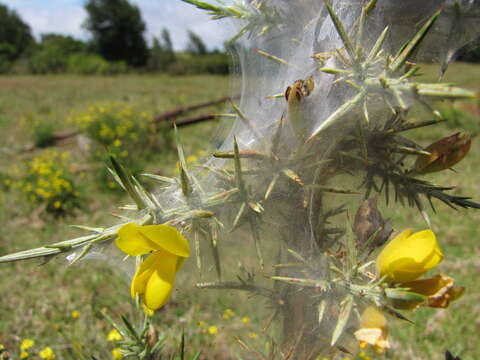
2 347
114 335
373 330
252 335
409 255
439 292
57 204
212 330
245 319
147 311
228 313
27 344
117 354
75 314
364 356
117 143
202 324
24 355
47 353
155 278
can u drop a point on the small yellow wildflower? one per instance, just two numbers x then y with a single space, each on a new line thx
213 330
57 204
117 143
27 344
246 320
364 356
24 355
2 347
202 324
114 335
75 314
117 354
228 313
47 353
252 335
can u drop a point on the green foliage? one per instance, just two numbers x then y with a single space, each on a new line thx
43 133
195 45
458 117
471 53
51 54
91 64
47 180
117 31
15 34
15 38
213 63
161 54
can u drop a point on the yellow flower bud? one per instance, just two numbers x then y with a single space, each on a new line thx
409 255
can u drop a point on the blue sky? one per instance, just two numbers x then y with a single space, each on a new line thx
67 16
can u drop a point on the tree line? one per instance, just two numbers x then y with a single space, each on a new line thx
117 44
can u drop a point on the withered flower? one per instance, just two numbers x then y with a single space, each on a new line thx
443 154
439 292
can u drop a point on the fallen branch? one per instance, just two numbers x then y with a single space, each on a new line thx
58 136
181 110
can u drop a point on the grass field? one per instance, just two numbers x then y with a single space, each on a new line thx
37 302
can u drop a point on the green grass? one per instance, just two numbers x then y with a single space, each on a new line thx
36 301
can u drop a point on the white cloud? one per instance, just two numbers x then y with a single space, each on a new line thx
67 16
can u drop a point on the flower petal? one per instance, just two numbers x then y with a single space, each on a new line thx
407 257
143 273
161 282
389 250
168 238
131 241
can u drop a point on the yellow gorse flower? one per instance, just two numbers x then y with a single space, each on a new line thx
47 353
373 330
409 255
117 354
155 278
213 330
114 335
26 344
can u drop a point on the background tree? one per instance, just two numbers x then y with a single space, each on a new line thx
162 55
195 45
51 54
117 31
15 37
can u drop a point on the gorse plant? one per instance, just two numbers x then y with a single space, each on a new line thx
320 135
48 181
117 126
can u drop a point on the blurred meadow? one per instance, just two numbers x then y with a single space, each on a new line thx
59 306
